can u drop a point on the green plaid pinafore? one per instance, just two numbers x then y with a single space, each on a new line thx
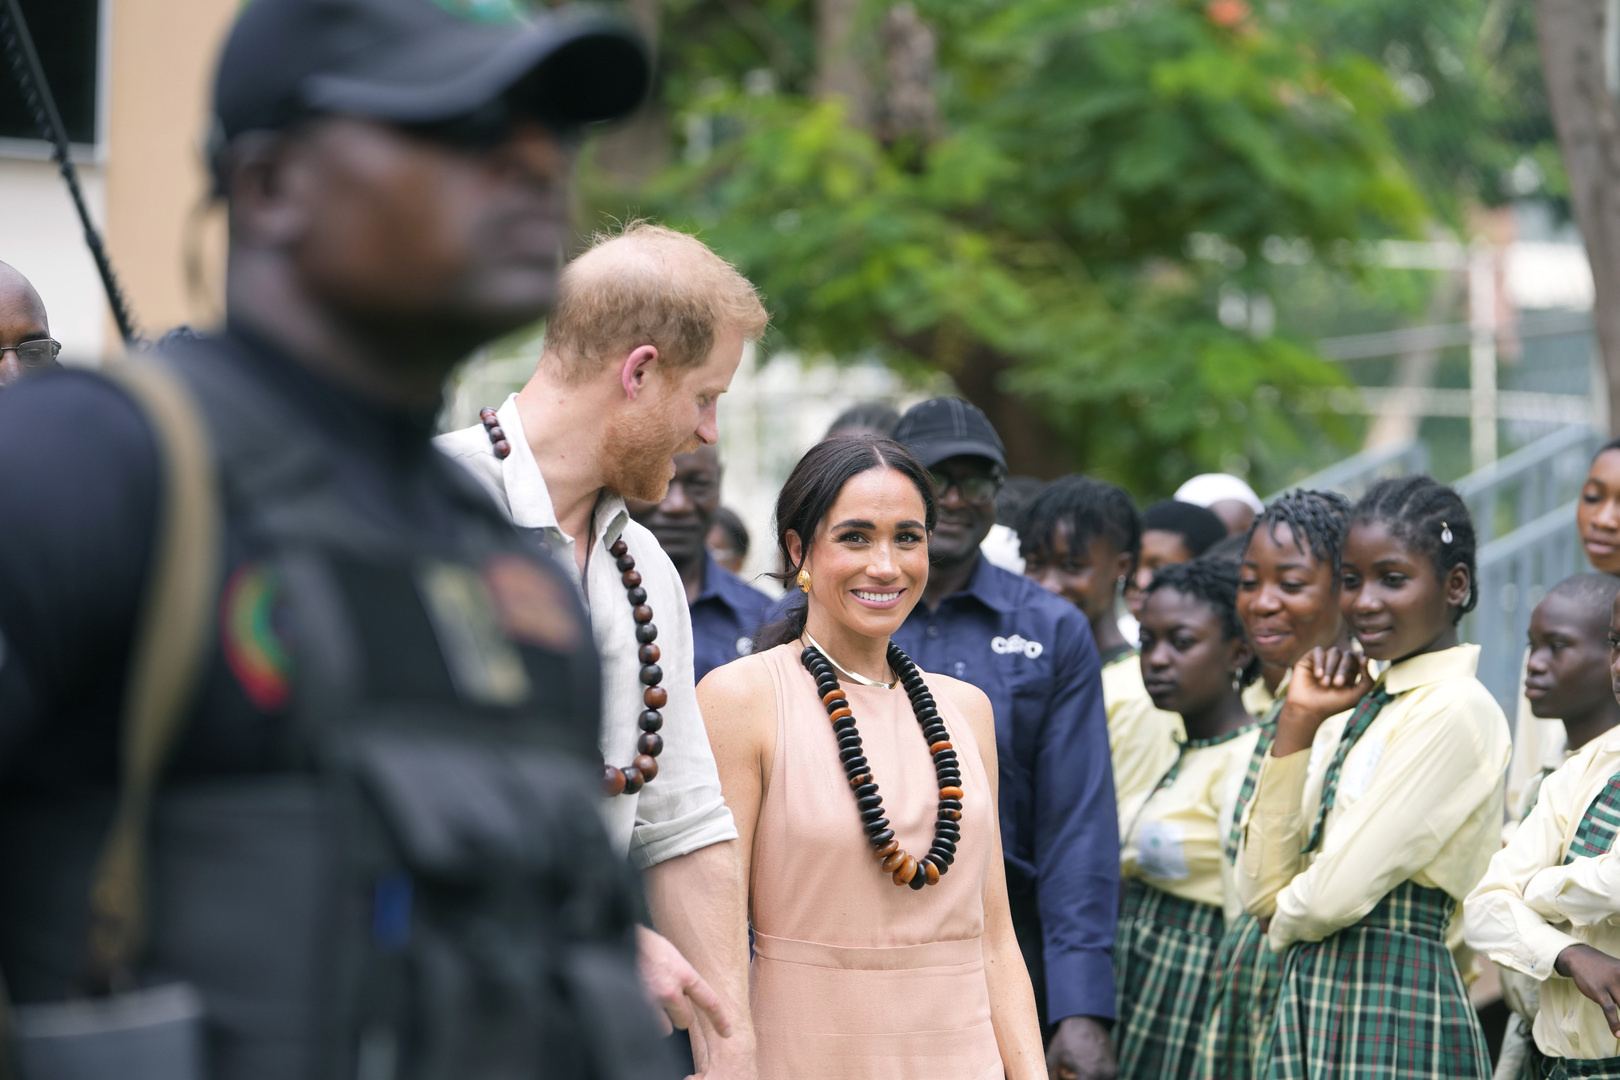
1382 997
1164 954
1594 836
1245 986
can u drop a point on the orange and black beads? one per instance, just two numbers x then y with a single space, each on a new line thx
905 868
631 778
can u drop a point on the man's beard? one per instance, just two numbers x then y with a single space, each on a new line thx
642 449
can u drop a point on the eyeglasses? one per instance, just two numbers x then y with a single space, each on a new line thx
36 353
978 490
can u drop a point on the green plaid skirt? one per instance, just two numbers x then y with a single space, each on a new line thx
1541 1067
1244 994
1382 998
1164 956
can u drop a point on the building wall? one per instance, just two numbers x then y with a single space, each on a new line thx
161 74
146 179
40 236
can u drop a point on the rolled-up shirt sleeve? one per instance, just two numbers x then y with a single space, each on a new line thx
1431 778
1586 892
1077 835
682 810
1498 919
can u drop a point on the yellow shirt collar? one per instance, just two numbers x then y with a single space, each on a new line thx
1459 662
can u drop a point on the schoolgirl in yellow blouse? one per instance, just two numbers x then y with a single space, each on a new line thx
1379 807
1178 887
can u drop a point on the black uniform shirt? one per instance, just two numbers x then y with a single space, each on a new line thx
78 492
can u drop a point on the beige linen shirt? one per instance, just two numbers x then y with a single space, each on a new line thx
1174 844
681 810
1530 907
1142 740
1419 798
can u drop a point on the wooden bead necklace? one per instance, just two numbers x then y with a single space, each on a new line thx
905 868
629 779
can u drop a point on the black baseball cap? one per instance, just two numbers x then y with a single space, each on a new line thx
946 427
424 61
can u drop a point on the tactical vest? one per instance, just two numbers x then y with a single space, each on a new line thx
424 889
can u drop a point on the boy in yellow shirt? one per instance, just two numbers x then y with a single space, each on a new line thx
1549 906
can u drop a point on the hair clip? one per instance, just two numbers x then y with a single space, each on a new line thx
1445 533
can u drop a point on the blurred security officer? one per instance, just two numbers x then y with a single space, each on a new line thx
1033 656
375 850
726 613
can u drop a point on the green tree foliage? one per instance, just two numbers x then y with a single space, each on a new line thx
1105 170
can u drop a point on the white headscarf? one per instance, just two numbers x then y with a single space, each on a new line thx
1209 488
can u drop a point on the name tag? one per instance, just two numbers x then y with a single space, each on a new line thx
1158 850
1358 770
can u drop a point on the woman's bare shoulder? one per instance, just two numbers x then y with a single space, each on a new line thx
967 697
744 683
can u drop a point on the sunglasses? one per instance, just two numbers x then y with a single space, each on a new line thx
36 353
487 127
978 490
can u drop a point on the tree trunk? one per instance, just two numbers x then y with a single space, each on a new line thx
839 68
910 51
1573 35
1033 448
634 151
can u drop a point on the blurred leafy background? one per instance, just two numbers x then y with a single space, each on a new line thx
1118 227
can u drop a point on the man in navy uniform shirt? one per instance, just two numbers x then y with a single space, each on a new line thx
1033 656
726 613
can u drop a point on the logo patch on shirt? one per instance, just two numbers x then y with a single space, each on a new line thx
1158 851
745 645
533 607
1016 644
253 632
483 664
1359 773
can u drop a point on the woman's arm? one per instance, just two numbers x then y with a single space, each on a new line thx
738 705
1012 1001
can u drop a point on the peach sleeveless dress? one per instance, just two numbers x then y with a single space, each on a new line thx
855 977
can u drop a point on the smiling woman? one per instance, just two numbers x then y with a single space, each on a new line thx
849 773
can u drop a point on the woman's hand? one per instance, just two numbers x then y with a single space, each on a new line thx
1325 682
1597 975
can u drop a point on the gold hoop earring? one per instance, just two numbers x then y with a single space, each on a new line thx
804 581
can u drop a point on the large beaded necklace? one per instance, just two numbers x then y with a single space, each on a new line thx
905 868
632 777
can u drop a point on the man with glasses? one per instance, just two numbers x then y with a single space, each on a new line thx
26 344
726 613
1033 656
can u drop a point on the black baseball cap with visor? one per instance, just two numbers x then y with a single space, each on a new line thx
462 70
945 427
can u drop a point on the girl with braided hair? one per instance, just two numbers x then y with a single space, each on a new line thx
1080 538
1288 599
1379 808
1178 889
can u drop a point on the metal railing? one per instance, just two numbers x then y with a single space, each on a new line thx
1527 484
1514 574
1354 475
